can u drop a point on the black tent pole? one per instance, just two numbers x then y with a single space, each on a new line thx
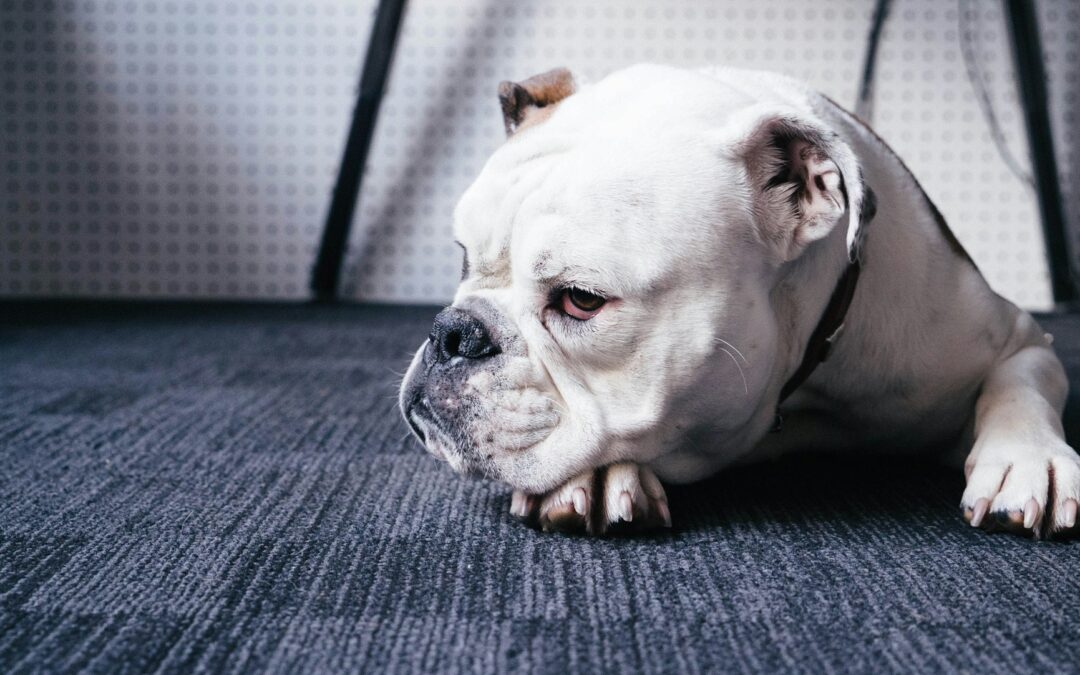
1031 77
335 238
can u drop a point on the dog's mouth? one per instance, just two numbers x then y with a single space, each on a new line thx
412 416
440 441
428 429
478 421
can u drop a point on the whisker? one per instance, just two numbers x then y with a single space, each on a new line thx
746 389
735 348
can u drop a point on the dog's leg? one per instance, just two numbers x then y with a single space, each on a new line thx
1021 475
614 499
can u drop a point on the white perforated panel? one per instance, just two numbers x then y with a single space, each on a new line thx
189 148
164 148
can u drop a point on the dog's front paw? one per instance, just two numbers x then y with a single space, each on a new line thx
615 499
1026 491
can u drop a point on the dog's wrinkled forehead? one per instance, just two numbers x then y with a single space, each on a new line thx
594 180
581 217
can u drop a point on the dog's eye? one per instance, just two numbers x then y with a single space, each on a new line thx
580 304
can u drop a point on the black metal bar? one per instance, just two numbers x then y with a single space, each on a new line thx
864 101
335 239
1031 78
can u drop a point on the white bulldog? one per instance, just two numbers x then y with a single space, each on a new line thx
656 266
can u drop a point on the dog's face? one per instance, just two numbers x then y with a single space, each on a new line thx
619 256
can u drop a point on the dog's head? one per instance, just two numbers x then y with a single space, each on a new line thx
620 252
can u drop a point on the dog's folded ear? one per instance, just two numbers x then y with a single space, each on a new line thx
804 177
530 101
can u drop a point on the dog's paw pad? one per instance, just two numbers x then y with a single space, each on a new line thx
617 499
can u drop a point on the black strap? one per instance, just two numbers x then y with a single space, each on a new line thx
827 330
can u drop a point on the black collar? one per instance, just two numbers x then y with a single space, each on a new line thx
826 332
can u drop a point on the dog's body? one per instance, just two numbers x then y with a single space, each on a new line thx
649 261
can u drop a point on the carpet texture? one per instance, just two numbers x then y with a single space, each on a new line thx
229 488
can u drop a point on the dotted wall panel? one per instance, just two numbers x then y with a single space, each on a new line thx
166 148
189 148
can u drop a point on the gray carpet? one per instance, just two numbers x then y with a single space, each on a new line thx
229 488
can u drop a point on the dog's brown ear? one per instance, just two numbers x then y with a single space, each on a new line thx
530 101
804 178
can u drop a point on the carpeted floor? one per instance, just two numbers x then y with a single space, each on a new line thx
229 488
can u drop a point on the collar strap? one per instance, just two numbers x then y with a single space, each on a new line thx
826 332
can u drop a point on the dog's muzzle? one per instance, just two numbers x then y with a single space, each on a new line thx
432 401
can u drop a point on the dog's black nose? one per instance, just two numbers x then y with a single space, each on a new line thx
458 333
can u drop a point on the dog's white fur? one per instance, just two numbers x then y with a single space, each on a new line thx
642 187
